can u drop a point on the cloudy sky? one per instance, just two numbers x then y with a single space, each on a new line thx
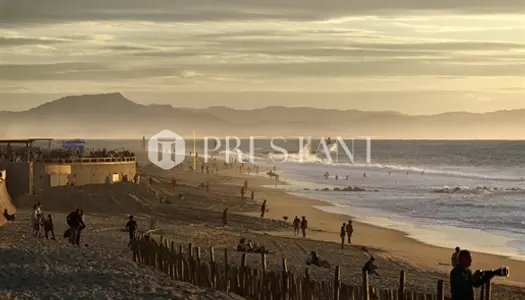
412 56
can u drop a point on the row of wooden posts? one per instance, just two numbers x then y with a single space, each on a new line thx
261 283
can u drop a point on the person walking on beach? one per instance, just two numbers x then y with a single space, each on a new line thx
304 226
131 227
246 183
263 209
49 228
454 257
296 226
342 234
242 193
349 231
225 217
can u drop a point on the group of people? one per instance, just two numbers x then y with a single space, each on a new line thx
249 246
300 224
17 154
39 223
347 229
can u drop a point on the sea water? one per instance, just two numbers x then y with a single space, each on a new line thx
469 194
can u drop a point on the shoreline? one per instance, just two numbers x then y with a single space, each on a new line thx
396 244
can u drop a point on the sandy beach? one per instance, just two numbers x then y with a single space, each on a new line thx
196 218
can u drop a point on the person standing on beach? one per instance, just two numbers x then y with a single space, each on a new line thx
246 183
74 220
252 196
454 258
242 193
131 227
296 226
462 281
304 226
263 209
81 213
48 228
342 234
225 217
349 231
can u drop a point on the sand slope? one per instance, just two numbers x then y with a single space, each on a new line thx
35 268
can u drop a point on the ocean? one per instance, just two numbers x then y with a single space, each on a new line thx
445 193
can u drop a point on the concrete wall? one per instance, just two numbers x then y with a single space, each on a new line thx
97 172
18 179
84 173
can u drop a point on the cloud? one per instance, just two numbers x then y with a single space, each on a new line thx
210 45
56 11
21 41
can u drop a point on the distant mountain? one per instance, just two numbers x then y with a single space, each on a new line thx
114 116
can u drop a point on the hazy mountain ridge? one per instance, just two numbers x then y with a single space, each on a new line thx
114 116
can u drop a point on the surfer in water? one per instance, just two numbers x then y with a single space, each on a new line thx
326 175
336 177
364 175
346 177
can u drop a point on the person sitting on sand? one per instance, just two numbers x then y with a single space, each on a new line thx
454 258
131 227
370 267
312 258
49 228
9 217
242 245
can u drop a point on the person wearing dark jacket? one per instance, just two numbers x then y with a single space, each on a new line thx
462 281
74 220
131 227
342 234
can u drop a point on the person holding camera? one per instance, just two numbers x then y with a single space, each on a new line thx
463 282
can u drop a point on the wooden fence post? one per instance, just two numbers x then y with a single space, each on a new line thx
366 287
181 263
173 261
197 266
226 272
488 292
242 275
307 286
264 286
441 290
213 269
337 283
401 289
286 282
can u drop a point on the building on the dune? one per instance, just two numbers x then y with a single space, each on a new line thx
32 169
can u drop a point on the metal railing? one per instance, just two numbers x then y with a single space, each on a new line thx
88 160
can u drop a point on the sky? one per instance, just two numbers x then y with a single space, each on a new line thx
412 56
